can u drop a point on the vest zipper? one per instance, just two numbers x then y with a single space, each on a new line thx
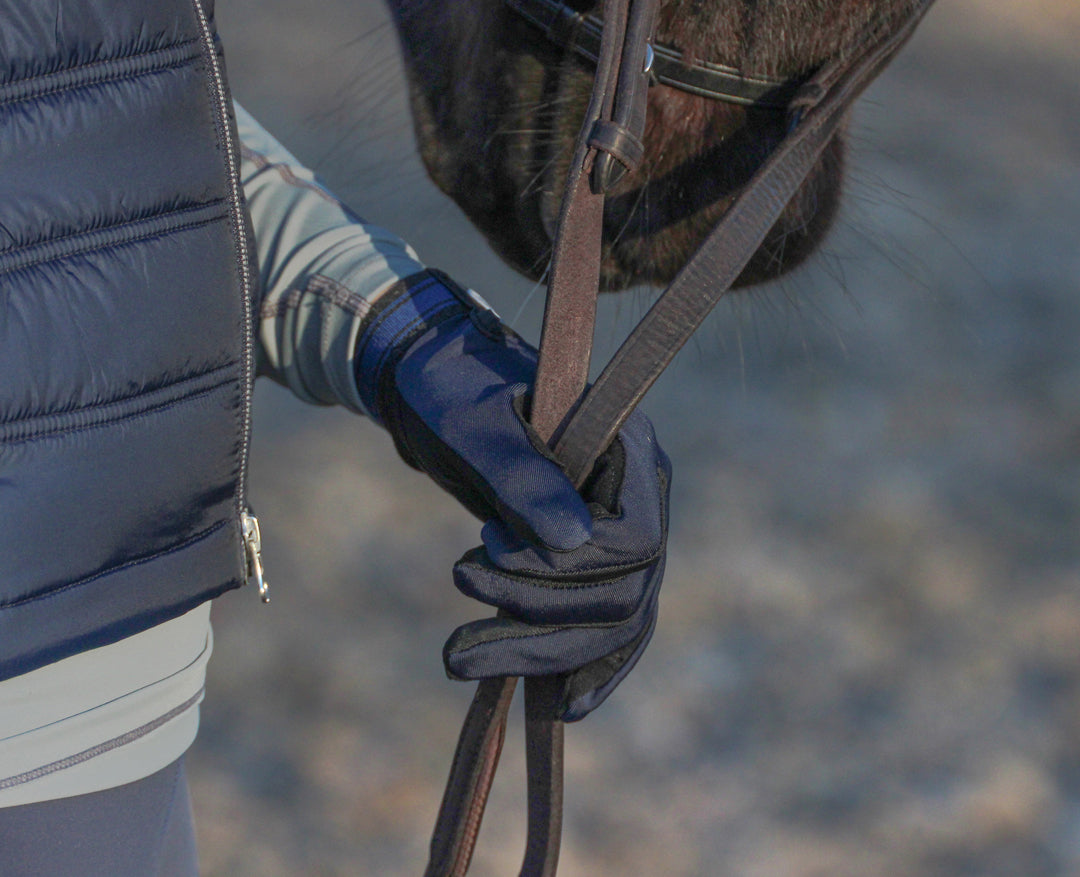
247 522
253 549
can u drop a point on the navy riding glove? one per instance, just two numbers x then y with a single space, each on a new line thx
575 576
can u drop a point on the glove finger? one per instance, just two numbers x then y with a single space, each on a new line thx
506 647
614 547
637 522
629 524
560 515
607 600
486 431
590 686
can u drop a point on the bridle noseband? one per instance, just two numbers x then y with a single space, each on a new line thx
580 33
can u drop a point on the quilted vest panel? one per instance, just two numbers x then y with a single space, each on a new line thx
125 349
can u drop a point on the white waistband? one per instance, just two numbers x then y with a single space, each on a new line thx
105 717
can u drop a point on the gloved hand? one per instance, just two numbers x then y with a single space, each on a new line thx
575 576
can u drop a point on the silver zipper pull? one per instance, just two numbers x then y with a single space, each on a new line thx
253 545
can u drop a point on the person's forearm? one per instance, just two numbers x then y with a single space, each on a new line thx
320 267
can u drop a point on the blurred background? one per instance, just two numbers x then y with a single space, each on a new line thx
868 658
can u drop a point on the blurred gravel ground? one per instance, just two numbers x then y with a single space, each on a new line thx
868 660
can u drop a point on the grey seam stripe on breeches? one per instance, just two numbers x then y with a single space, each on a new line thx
101 748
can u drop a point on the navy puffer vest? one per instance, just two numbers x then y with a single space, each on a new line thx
125 334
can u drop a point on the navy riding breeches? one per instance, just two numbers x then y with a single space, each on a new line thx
142 829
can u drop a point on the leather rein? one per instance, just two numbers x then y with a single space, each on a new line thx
580 421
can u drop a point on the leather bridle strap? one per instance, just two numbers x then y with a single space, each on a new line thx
609 144
595 416
473 769
580 33
817 111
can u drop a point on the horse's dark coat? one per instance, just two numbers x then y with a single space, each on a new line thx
496 110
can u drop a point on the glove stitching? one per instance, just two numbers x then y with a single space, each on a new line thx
568 580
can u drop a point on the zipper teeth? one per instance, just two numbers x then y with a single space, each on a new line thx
242 247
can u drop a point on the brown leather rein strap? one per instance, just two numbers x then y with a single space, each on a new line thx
583 423
817 112
616 118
